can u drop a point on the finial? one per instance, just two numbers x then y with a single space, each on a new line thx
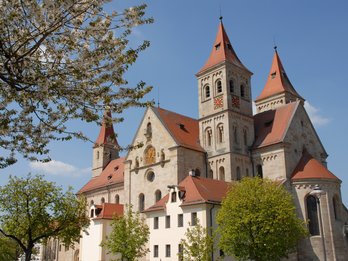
220 14
275 48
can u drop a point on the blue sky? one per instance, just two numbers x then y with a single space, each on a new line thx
312 40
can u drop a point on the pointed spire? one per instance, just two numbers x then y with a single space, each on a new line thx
222 51
277 82
106 134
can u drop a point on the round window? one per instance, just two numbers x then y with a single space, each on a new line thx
150 176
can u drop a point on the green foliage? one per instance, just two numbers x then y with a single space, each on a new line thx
33 210
9 249
257 221
62 60
198 244
129 236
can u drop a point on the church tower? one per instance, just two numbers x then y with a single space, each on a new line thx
278 89
225 111
106 147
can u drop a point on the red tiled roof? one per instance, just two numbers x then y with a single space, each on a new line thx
106 134
222 51
112 174
109 210
277 82
197 190
183 129
271 126
310 168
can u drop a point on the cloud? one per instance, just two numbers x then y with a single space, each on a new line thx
315 116
58 168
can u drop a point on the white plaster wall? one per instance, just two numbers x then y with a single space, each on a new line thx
90 249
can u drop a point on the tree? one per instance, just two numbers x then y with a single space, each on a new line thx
33 210
9 249
257 221
198 244
128 236
62 60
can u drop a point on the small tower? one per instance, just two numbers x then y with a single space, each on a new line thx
106 147
225 110
278 89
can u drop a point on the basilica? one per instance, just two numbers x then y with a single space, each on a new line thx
182 169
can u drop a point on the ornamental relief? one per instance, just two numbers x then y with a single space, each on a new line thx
150 155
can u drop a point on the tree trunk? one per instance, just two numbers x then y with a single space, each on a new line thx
28 254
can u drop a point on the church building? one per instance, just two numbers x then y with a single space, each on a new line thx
181 171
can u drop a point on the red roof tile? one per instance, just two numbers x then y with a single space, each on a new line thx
310 168
277 82
183 129
271 126
109 210
106 134
222 51
112 174
197 190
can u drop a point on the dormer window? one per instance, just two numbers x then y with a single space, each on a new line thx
217 46
218 86
273 75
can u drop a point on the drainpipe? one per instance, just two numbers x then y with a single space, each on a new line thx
211 230
206 164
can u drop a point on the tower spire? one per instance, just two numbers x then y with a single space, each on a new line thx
222 51
278 86
106 133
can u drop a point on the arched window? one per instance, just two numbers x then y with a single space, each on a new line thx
220 131
242 90
208 137
207 91
259 171
97 154
158 195
221 173
150 176
335 207
312 215
148 132
210 174
102 200
117 199
218 85
245 137
238 175
231 86
235 134
141 202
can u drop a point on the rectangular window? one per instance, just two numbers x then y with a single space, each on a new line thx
155 251
155 223
193 218
180 220
167 250
167 221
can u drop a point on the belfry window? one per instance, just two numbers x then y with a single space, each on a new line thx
312 215
231 86
218 86
208 137
242 90
220 130
207 91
